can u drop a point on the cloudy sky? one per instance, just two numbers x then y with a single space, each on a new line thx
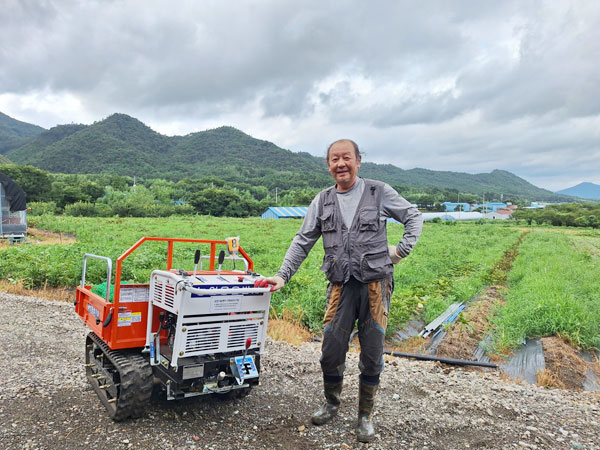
465 86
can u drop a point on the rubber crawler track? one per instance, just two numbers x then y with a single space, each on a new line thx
134 374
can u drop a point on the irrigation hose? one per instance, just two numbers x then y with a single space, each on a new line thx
457 362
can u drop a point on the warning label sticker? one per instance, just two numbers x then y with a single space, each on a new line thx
125 319
133 294
93 311
225 304
136 317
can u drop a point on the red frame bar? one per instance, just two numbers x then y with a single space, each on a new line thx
170 242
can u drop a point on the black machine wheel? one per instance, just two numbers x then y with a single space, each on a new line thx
122 379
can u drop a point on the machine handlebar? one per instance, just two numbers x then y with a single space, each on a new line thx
226 291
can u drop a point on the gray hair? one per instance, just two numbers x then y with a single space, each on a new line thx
354 144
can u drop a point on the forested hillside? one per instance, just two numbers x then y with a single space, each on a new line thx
496 182
122 145
14 133
125 146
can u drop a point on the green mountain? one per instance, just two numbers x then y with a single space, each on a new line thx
14 133
123 145
498 181
230 154
119 144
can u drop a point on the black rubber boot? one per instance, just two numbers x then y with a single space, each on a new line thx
325 413
365 431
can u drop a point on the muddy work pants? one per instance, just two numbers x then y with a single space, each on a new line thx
370 304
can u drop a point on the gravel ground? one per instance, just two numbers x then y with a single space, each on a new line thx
45 401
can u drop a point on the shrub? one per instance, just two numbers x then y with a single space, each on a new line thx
86 209
40 208
80 209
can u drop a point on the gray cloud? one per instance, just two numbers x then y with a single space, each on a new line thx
458 86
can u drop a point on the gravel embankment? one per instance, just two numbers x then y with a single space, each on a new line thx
45 401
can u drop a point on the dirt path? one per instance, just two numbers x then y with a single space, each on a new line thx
45 401
47 237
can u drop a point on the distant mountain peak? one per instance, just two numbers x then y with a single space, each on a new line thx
228 130
585 190
120 118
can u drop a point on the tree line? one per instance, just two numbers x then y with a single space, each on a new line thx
105 195
565 215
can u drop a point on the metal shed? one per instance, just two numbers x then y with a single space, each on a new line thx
452 215
501 215
285 212
13 217
447 216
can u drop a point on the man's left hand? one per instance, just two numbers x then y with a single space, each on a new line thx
395 257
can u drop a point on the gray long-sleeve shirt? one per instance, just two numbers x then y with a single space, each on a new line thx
393 206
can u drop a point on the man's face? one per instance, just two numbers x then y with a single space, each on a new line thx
343 165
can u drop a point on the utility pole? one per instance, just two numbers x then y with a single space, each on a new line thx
275 195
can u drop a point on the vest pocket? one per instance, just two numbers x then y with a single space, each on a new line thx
368 219
374 266
327 220
334 269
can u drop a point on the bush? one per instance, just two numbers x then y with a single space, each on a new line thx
80 209
40 208
103 210
86 209
127 208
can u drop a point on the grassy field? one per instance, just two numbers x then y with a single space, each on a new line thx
555 274
554 289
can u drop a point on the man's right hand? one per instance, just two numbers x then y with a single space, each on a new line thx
276 283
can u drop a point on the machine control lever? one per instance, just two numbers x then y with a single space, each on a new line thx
221 259
196 259
248 344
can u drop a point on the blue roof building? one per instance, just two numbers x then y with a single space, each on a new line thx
450 206
285 212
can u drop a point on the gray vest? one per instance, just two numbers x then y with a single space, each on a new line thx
362 250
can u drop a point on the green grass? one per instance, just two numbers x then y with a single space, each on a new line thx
553 285
450 263
553 290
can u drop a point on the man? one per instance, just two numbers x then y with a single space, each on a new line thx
351 218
